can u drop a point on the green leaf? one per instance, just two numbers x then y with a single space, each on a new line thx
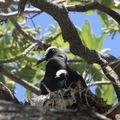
9 26
108 94
104 18
28 94
71 2
2 79
1 29
12 8
10 84
100 41
79 67
86 34
27 73
96 73
53 28
105 2
89 12
88 38
98 91
116 6
60 42
100 1
108 3
33 31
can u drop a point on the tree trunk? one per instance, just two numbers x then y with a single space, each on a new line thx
11 111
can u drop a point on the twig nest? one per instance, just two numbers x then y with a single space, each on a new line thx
61 99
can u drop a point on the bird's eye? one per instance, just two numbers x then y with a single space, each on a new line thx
53 50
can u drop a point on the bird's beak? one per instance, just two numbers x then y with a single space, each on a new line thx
39 61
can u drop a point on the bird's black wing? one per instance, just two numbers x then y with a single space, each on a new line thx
74 76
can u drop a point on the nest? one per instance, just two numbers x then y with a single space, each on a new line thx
71 99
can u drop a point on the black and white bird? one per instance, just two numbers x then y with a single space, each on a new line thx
58 74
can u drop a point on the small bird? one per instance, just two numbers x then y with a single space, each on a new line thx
58 74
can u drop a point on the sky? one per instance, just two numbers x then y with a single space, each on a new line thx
44 20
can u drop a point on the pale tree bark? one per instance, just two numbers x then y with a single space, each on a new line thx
10 111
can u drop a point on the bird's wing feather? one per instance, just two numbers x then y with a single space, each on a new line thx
54 65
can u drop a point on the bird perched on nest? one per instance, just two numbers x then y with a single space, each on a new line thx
58 74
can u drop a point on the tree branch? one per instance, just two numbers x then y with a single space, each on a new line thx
95 5
53 38
113 111
110 74
27 10
21 6
20 56
10 111
99 83
22 82
6 94
114 63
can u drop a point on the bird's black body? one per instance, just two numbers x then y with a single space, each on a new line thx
57 63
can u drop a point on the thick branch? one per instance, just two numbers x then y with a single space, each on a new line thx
110 74
95 5
114 63
22 82
6 94
10 111
113 111
21 6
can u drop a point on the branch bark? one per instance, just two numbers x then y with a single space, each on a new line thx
9 111
114 63
6 94
22 82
